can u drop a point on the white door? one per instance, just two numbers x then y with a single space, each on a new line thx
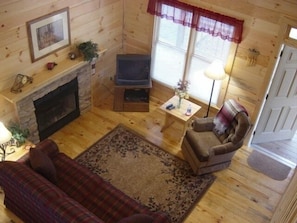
278 120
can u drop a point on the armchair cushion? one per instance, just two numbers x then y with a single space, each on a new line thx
202 142
203 124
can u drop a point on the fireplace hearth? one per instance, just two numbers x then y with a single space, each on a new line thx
56 109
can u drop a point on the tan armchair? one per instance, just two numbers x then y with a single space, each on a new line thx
206 150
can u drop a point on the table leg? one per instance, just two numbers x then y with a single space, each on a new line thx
168 122
187 125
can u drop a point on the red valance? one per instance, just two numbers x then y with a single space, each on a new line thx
203 20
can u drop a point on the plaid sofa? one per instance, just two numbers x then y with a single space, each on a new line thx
78 195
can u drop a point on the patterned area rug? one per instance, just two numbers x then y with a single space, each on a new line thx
146 173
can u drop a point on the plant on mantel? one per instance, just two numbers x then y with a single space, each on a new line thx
89 50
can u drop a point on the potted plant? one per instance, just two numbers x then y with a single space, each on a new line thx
89 50
18 134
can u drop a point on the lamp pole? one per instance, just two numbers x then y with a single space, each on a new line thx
215 72
213 83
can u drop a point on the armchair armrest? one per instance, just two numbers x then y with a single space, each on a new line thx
203 124
223 149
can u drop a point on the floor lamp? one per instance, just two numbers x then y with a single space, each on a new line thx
5 137
215 71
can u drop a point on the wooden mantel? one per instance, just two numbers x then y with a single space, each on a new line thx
45 77
42 79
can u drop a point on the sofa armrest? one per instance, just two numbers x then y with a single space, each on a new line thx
48 146
34 199
203 124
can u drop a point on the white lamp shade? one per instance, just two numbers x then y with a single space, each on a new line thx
215 71
5 135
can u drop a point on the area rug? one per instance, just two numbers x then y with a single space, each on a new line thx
146 173
268 166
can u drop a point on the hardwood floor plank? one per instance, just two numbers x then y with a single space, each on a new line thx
239 193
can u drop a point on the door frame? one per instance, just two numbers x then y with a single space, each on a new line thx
286 24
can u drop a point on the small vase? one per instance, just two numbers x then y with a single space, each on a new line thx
179 102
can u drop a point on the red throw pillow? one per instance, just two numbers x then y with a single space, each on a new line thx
42 164
137 218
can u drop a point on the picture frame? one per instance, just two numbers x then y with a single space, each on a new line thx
48 34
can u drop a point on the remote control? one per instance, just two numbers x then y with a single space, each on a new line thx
169 106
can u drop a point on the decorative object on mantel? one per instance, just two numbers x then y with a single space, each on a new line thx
89 50
18 134
51 65
5 140
72 55
181 90
48 33
19 82
252 57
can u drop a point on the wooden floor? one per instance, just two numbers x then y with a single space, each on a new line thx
239 194
283 150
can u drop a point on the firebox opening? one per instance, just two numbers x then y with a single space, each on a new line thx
57 108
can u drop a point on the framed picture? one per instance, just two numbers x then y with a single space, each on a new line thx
48 34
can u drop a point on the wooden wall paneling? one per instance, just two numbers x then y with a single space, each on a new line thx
286 210
249 78
11 37
284 7
83 8
135 46
7 112
103 82
96 20
137 27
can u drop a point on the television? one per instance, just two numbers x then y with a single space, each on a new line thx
133 69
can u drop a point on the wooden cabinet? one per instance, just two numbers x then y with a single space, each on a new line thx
130 98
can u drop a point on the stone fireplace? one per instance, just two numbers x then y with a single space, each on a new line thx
56 109
46 85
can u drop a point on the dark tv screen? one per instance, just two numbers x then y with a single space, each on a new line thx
133 69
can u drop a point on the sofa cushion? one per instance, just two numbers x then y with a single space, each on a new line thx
137 218
42 164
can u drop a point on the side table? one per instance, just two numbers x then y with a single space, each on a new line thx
19 151
179 114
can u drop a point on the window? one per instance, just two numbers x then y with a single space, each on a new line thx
206 49
169 52
185 43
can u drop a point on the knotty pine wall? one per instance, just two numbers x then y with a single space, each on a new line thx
124 26
262 24
98 20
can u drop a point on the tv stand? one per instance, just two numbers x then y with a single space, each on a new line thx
132 98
